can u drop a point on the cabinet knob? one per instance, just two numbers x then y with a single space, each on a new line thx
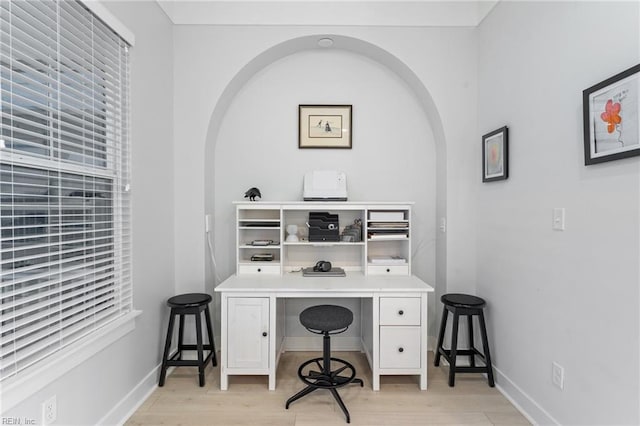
264 334
401 349
259 270
400 312
388 270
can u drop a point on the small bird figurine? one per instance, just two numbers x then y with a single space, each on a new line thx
252 193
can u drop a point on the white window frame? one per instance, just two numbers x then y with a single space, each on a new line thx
20 386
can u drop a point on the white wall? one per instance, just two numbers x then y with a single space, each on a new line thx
569 297
392 159
104 387
209 58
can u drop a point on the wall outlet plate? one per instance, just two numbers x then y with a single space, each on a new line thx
49 411
557 375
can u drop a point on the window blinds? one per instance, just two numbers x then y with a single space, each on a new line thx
64 178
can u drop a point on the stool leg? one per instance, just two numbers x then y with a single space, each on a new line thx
207 315
472 357
443 326
485 346
167 347
199 349
454 349
180 336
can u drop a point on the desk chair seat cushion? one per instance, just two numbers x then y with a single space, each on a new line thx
189 300
458 300
326 318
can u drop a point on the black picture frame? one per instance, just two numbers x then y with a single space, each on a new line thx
495 155
324 126
611 120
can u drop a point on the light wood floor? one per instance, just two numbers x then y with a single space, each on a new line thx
399 402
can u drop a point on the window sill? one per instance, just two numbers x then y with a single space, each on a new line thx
26 383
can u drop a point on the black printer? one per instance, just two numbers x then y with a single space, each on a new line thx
323 226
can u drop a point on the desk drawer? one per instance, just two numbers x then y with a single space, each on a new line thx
259 269
399 311
399 347
388 270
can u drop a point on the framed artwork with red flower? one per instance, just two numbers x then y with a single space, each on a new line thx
495 159
611 118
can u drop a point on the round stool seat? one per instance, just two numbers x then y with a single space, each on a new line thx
326 318
459 300
189 300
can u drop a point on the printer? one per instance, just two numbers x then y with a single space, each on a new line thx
325 185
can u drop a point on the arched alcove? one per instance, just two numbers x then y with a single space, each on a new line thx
351 48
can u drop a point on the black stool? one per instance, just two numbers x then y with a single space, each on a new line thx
188 304
465 305
326 320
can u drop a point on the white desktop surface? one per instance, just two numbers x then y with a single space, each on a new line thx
293 284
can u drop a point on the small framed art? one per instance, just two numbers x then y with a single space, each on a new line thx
611 118
324 126
495 155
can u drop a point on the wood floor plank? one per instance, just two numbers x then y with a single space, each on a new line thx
399 403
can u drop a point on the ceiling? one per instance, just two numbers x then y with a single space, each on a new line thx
401 13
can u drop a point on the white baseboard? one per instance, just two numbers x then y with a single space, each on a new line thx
431 343
523 402
128 405
527 406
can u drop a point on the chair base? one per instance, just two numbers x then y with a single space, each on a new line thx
326 378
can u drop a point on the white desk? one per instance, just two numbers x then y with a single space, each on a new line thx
393 321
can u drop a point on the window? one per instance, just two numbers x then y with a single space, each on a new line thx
64 179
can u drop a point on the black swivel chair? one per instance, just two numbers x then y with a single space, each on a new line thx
326 320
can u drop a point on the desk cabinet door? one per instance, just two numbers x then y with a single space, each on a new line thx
248 332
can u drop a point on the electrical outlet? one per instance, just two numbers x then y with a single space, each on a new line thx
49 411
557 375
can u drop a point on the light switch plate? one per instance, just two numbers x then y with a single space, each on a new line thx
558 218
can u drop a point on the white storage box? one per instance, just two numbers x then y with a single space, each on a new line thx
386 215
